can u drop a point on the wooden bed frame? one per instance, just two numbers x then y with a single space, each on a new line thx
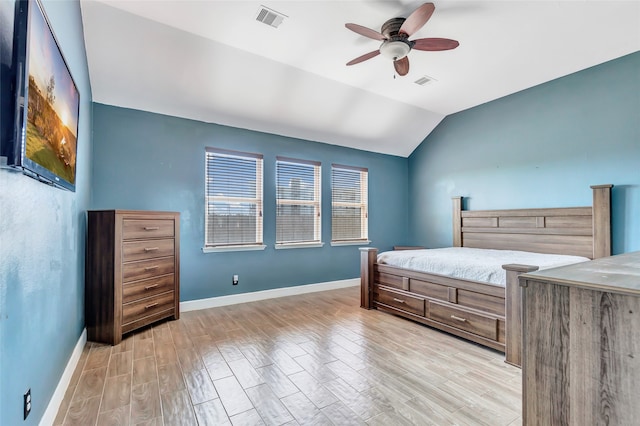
484 313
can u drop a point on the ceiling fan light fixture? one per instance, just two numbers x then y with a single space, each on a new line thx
395 49
395 34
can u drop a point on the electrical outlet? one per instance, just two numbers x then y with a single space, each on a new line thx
27 403
235 280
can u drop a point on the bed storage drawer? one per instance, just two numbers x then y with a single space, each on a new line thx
399 300
425 288
465 320
482 302
391 280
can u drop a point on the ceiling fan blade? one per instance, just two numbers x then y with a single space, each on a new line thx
364 57
433 44
402 66
367 32
417 19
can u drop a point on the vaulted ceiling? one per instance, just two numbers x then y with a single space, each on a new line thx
213 61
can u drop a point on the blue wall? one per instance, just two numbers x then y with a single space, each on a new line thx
541 147
42 233
149 161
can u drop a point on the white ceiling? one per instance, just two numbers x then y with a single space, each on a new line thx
213 61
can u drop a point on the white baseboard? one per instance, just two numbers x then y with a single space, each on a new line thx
54 403
213 302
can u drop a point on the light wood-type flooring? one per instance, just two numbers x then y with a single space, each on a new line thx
314 359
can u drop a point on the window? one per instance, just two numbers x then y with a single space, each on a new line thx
233 199
298 221
349 205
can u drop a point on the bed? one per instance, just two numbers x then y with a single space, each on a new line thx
487 313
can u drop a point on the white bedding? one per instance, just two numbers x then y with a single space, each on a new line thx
484 265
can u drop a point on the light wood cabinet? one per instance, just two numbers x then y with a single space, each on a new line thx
132 275
581 343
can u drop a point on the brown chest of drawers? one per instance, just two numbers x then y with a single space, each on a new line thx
132 275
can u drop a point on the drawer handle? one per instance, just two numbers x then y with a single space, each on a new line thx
151 305
398 300
151 228
151 248
149 268
458 318
149 287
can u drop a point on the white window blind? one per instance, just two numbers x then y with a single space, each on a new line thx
233 204
349 204
297 201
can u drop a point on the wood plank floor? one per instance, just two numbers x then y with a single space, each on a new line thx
314 359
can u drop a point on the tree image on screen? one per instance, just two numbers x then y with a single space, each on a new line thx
49 142
52 105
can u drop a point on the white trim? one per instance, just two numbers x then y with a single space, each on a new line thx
284 246
233 248
350 243
213 302
51 412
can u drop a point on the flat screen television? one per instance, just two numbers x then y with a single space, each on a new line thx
47 102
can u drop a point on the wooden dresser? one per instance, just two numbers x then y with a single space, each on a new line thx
581 343
132 275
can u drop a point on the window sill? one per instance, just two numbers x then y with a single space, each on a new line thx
233 248
297 245
350 243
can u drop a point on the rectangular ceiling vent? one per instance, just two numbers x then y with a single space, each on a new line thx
270 17
425 80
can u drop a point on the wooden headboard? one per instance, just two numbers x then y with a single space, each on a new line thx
578 231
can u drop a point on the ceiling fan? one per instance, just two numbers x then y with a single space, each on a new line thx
395 35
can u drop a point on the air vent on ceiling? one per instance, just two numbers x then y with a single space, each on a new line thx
270 17
425 80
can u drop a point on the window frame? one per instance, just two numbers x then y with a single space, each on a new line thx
316 203
209 246
363 205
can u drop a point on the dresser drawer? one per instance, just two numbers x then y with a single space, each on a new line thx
398 300
148 249
147 320
143 269
147 228
147 288
464 320
146 307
